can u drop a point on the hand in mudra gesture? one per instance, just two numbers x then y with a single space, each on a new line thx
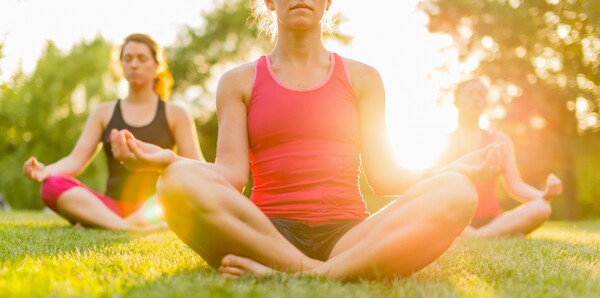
480 165
554 187
136 155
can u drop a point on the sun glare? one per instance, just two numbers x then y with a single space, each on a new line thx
400 48
405 54
418 134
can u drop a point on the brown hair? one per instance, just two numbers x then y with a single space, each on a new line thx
163 82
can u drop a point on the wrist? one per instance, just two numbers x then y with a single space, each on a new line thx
432 171
171 157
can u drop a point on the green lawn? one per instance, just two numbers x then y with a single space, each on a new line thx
41 255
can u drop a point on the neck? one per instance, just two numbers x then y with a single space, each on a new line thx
468 123
299 47
141 94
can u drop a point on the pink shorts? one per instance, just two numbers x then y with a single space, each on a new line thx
54 186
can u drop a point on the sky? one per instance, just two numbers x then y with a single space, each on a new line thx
388 35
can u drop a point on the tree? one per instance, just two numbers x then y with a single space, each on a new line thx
44 113
542 56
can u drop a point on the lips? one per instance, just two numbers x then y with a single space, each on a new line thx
301 6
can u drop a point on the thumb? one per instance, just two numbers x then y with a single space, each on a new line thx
135 148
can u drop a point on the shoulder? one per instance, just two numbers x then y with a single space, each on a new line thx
103 112
175 108
105 107
501 137
453 136
360 73
365 79
176 113
237 83
360 69
239 74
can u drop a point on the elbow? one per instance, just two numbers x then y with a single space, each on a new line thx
239 182
238 179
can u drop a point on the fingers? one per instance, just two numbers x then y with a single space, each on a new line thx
27 165
120 148
33 169
494 160
554 185
128 135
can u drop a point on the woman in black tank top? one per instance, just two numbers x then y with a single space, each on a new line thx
129 197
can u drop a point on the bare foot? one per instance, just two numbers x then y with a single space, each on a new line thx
234 267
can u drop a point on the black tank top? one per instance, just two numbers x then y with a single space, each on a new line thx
130 189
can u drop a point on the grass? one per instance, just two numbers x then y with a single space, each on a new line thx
42 256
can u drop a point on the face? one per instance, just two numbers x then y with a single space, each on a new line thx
472 97
299 14
138 64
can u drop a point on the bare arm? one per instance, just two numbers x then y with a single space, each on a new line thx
85 149
383 174
513 182
184 130
233 93
232 146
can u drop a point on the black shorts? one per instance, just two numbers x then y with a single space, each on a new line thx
314 240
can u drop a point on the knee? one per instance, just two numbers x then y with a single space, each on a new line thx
459 196
174 179
53 187
540 210
186 184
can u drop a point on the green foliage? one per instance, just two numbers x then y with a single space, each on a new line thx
41 256
543 58
588 175
224 37
44 114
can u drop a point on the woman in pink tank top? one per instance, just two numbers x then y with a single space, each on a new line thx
470 97
304 121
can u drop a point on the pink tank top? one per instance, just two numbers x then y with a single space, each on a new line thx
304 147
488 205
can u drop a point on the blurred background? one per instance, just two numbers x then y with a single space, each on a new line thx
541 59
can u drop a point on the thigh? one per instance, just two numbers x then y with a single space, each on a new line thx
215 219
425 202
54 188
82 205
